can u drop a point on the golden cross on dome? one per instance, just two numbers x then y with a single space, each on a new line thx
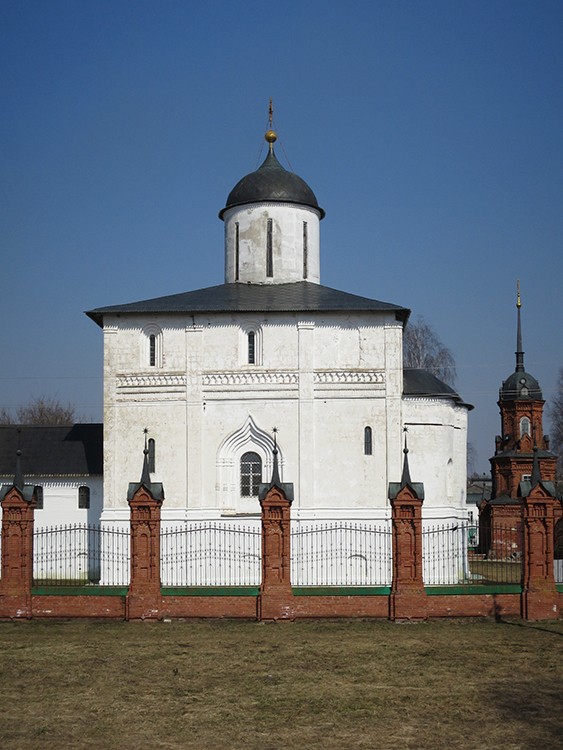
271 135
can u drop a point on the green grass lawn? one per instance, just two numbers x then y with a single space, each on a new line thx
318 684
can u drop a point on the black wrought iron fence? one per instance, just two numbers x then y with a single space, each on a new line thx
462 553
340 553
80 554
210 554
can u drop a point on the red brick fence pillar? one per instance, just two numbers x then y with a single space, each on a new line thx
408 597
275 601
18 506
144 599
539 593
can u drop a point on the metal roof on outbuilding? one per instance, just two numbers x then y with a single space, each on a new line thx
300 296
71 450
419 382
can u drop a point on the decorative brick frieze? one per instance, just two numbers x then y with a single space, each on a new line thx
249 378
349 377
166 382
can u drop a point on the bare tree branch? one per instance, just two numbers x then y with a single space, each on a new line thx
555 411
422 348
43 410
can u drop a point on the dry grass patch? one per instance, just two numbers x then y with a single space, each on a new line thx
227 684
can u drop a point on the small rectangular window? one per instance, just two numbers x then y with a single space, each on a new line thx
39 498
305 251
152 350
269 251
152 455
84 497
236 251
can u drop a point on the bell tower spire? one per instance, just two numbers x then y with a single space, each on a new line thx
519 350
521 409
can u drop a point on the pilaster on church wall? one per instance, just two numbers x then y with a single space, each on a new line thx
110 418
193 493
393 349
307 443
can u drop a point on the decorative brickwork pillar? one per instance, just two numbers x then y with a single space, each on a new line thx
17 551
276 597
408 597
144 599
539 593
275 601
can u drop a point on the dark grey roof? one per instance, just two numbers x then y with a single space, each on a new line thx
520 385
504 500
396 487
300 296
525 487
271 182
417 382
156 489
529 455
72 450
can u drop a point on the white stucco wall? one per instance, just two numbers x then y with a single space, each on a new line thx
437 441
320 381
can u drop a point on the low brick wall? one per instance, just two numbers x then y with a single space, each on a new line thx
473 605
78 606
304 602
236 607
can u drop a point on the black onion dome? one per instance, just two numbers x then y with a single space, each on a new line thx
520 385
271 182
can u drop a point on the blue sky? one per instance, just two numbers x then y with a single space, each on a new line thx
431 133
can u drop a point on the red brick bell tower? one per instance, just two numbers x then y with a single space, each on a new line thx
521 410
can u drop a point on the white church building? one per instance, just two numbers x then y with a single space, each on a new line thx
211 372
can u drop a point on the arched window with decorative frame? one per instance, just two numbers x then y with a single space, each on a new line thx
250 474
251 344
524 426
151 346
